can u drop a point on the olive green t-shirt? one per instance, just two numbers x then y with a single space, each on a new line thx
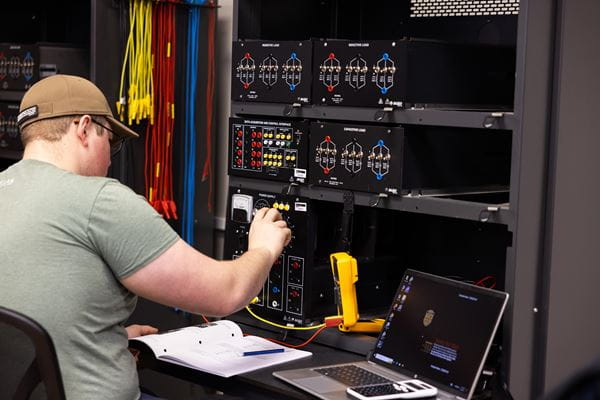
66 241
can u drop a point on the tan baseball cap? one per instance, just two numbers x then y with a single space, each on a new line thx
62 95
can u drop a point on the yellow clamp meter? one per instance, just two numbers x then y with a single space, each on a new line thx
345 276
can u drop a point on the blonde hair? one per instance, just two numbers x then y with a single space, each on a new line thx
53 129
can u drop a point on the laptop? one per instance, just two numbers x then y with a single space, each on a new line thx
437 330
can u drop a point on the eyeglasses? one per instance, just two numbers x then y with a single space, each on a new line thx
116 141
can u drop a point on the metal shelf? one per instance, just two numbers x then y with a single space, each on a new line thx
491 119
443 206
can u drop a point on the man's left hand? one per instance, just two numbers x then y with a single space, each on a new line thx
140 330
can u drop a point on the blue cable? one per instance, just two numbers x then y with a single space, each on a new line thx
191 75
189 128
190 123
192 176
189 112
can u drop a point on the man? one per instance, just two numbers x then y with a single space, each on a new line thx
76 247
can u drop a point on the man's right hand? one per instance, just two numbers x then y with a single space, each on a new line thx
269 231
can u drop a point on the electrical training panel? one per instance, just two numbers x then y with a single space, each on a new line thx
9 130
409 72
296 291
355 157
269 71
23 65
268 149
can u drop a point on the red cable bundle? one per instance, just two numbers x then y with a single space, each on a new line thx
158 171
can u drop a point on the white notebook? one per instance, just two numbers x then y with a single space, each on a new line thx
218 348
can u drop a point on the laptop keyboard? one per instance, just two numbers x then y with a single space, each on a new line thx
352 375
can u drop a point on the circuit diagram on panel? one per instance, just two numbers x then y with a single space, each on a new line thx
245 70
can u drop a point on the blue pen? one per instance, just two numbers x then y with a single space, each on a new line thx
259 352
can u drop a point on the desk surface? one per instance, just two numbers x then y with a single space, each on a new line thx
260 384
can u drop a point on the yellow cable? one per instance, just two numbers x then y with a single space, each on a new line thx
151 60
140 94
295 328
149 93
134 83
122 101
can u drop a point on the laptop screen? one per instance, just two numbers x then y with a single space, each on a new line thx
439 330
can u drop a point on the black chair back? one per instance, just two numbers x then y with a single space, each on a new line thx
27 364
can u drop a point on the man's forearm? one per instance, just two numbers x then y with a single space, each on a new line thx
250 272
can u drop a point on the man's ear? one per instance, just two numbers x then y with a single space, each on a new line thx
82 129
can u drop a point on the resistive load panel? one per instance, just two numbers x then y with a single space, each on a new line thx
10 137
268 149
402 160
412 72
23 65
356 157
296 290
266 71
